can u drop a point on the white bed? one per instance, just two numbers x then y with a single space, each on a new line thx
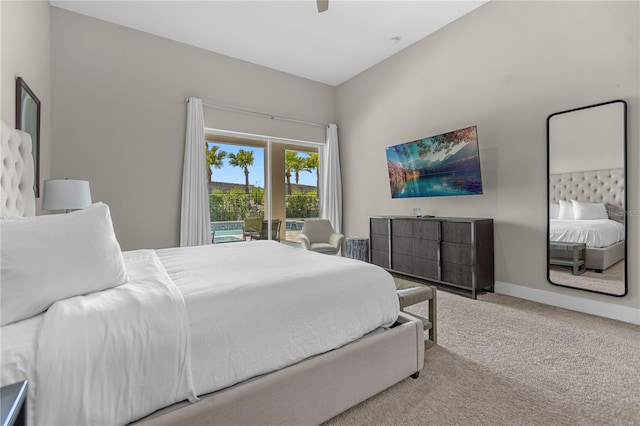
598 188
594 233
268 295
279 335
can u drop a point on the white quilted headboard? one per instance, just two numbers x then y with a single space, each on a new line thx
597 186
17 197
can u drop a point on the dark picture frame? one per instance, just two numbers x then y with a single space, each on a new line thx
28 120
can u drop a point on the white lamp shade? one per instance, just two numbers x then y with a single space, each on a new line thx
65 194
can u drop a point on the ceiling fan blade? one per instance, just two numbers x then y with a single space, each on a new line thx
323 5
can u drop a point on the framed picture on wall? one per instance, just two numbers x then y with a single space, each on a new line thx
28 120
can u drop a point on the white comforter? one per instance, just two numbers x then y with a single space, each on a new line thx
117 355
261 306
595 233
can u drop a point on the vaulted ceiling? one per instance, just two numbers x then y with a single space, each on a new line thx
289 36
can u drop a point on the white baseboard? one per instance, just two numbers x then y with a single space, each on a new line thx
575 303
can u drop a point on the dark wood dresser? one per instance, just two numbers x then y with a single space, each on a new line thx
455 254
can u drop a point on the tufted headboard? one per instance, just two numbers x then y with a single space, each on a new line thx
17 197
597 186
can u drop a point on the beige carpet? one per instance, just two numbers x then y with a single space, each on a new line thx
506 361
610 281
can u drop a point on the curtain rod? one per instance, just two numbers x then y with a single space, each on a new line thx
260 114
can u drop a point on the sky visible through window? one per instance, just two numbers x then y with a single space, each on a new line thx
232 174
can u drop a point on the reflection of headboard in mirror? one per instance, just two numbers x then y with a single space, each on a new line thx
17 197
596 186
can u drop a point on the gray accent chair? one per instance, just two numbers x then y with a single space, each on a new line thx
263 233
318 235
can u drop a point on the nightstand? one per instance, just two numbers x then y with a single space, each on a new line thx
14 403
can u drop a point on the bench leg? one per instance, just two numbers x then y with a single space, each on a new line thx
433 334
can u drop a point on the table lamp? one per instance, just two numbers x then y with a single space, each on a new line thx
65 194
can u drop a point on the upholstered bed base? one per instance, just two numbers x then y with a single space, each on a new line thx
313 390
602 258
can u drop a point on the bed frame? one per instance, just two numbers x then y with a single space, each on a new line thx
309 392
314 390
596 186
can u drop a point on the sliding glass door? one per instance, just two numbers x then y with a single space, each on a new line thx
236 187
260 187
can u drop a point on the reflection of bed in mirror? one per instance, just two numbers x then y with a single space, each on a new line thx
603 233
586 172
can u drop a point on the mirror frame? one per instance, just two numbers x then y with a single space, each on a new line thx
23 93
626 201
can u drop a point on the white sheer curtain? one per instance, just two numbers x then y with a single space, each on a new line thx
194 218
331 178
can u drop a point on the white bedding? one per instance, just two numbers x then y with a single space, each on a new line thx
108 357
252 308
17 360
261 306
595 233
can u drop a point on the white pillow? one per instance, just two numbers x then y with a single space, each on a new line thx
554 210
589 211
566 210
54 257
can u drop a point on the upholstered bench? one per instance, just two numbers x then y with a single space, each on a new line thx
411 293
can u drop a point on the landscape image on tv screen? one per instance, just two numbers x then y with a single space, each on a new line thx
446 164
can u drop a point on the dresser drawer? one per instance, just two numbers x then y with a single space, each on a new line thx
408 264
380 258
402 228
456 232
380 226
426 229
457 253
457 274
379 242
426 249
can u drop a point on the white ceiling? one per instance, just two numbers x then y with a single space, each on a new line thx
290 36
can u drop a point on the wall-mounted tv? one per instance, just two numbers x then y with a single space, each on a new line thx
441 165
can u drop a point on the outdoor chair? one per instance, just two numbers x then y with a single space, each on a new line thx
318 235
263 233
250 223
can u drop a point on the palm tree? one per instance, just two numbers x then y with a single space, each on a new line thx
214 159
313 163
292 163
242 159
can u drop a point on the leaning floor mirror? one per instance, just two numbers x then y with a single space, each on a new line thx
587 201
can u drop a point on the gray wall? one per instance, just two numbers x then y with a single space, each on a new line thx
26 53
118 98
119 116
505 67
